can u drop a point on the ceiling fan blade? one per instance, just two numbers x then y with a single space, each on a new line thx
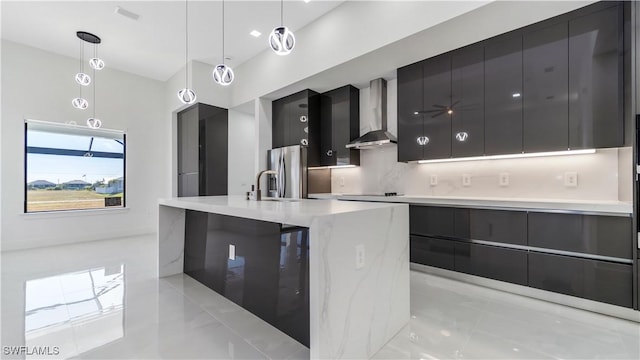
438 114
454 104
439 106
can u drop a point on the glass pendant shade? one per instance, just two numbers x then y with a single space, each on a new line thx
83 79
80 103
282 41
187 96
94 123
96 63
223 75
462 136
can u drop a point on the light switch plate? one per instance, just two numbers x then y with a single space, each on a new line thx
466 180
433 180
360 256
504 179
571 179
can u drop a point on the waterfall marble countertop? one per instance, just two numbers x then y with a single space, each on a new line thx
588 207
299 212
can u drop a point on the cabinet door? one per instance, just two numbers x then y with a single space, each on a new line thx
188 141
437 107
299 122
279 123
597 235
499 226
410 119
340 133
491 262
546 89
591 279
503 95
596 80
326 130
432 252
467 94
432 220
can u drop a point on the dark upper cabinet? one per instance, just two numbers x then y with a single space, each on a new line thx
467 96
590 234
410 107
503 95
202 150
596 84
591 279
437 107
339 124
499 226
296 121
545 88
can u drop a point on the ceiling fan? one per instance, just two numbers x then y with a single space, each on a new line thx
443 109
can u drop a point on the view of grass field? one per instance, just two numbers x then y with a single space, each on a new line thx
52 200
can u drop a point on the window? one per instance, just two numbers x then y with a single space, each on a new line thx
70 167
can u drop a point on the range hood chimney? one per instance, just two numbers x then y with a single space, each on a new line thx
377 117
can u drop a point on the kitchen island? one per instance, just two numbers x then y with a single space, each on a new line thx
358 261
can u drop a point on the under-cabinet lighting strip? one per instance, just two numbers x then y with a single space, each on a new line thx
331 167
511 156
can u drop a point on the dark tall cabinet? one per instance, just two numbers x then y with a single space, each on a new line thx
296 121
339 124
202 150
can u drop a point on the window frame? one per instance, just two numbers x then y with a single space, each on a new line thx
72 129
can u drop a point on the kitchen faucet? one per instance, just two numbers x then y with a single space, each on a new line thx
256 194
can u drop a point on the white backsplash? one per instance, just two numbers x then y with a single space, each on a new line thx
535 178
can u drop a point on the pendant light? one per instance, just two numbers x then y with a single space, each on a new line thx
82 78
223 74
282 39
186 95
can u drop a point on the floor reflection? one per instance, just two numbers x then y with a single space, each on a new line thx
75 312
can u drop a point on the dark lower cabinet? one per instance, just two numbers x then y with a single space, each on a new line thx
602 281
492 262
258 265
432 252
590 234
439 221
499 226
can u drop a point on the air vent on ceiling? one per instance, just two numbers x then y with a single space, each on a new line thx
126 13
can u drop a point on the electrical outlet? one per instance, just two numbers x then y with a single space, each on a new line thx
359 256
433 180
504 179
341 181
232 252
571 179
466 180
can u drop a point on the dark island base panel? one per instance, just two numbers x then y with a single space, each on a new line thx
267 275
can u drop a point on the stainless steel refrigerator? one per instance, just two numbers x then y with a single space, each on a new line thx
290 164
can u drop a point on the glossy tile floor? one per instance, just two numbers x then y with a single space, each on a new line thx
103 300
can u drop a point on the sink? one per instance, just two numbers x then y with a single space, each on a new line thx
280 199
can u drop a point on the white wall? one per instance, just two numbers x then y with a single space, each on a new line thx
605 175
241 152
41 87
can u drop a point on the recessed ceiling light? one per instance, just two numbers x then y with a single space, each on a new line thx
255 33
307 1
516 95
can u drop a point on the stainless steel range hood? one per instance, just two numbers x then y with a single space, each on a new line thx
377 117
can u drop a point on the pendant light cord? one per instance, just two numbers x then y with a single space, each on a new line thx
186 42
95 55
281 13
81 62
222 32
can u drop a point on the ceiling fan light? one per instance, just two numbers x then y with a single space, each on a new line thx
83 79
282 41
187 96
80 103
223 75
96 63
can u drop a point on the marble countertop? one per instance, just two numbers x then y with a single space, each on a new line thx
299 212
617 208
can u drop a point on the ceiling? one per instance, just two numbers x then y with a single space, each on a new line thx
154 45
